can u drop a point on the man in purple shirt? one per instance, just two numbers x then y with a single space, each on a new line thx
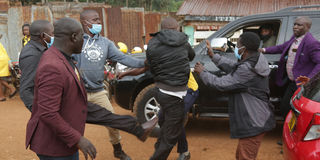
300 56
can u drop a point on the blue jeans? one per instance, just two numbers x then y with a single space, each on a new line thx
72 157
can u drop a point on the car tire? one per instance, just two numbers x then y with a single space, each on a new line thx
145 107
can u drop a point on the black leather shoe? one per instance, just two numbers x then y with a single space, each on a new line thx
183 156
148 127
121 155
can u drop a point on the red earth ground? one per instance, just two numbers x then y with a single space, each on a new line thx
208 138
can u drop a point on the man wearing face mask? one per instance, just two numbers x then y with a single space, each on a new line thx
250 110
41 32
55 130
267 37
300 56
96 50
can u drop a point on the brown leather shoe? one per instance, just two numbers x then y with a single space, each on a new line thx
148 127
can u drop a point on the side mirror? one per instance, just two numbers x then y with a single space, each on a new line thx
219 44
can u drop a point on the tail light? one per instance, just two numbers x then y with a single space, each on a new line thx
314 131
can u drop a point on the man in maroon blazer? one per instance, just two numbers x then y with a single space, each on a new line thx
300 56
56 127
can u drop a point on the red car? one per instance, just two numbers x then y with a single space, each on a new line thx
301 130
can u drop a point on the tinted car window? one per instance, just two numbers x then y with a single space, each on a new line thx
312 89
314 28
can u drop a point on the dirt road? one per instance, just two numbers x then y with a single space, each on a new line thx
208 138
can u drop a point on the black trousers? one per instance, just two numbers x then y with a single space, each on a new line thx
101 116
189 100
285 102
171 127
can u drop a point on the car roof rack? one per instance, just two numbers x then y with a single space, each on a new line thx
289 9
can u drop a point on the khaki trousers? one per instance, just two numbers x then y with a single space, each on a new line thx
248 147
100 98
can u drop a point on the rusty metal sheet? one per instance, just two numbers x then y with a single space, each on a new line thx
26 16
40 13
237 8
152 24
128 25
132 28
125 26
114 24
4 6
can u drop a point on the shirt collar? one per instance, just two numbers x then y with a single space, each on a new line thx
300 38
38 45
67 56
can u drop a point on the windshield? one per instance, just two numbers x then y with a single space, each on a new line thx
312 88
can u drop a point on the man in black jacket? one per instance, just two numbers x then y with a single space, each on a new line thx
168 57
40 32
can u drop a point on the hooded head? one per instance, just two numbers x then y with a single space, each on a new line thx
169 23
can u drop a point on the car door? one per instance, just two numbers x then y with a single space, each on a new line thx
212 100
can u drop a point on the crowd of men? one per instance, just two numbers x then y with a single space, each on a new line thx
62 66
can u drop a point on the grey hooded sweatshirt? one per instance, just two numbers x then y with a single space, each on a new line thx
95 51
250 110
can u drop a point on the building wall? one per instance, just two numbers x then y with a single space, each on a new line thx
128 25
198 31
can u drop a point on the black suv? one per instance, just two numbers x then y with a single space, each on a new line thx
136 93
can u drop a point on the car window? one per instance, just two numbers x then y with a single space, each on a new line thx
315 28
312 88
234 35
315 31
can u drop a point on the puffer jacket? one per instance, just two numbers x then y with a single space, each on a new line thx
250 110
168 57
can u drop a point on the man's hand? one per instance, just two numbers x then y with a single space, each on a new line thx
210 52
121 75
302 80
86 148
262 50
198 68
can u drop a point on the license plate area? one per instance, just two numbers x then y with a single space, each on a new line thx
292 122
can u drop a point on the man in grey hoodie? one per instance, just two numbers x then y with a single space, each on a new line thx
250 110
95 51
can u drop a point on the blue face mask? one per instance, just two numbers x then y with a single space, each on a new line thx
236 50
51 40
95 29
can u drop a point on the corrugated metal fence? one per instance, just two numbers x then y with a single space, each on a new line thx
129 25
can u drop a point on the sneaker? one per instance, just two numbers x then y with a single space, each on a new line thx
184 156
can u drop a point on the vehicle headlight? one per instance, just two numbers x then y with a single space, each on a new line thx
314 133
